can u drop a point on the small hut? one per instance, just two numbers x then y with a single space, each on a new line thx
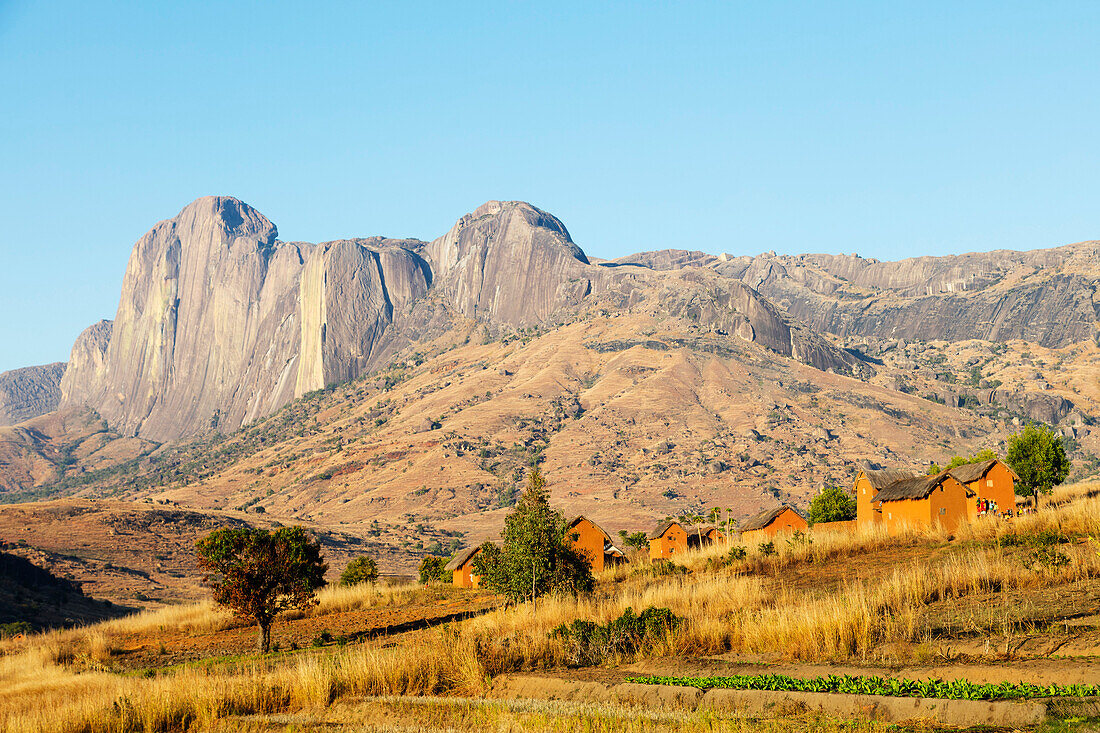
462 568
667 539
590 540
766 525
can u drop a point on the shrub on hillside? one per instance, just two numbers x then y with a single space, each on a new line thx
432 569
362 569
589 643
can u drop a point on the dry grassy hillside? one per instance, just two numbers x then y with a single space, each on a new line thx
631 417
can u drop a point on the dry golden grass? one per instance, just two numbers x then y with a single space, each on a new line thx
58 681
403 714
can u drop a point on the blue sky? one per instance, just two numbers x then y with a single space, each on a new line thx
888 129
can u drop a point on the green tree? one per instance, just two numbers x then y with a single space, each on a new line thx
983 455
534 559
258 573
1038 457
362 569
432 569
832 504
637 540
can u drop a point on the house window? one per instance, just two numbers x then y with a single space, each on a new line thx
943 510
989 482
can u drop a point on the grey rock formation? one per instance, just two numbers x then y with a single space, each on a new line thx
29 392
509 263
1046 296
87 361
220 323
206 331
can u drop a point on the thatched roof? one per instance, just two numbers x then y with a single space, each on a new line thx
917 487
882 478
663 527
462 558
763 519
970 472
580 517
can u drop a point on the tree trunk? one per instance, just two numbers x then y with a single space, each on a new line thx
265 638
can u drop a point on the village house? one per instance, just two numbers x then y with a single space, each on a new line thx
668 539
590 540
867 485
713 536
767 524
990 480
461 567
924 501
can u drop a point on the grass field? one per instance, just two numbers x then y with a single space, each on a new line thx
864 598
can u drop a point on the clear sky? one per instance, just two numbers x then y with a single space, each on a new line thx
885 128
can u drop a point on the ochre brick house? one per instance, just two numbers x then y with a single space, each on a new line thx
462 566
867 485
590 540
924 501
668 539
766 525
992 480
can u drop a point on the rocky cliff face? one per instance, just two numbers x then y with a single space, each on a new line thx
29 392
220 323
1046 296
509 263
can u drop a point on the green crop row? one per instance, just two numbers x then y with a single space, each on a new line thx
943 689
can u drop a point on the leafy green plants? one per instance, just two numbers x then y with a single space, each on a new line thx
855 685
767 549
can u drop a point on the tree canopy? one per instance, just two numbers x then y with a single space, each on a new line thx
1038 457
432 568
258 573
534 559
362 569
832 504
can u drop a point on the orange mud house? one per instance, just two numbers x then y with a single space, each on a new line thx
590 540
989 480
896 498
668 539
925 501
462 568
713 536
868 483
766 525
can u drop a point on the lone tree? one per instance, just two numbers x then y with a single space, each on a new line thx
534 559
832 504
1038 457
257 573
432 569
362 569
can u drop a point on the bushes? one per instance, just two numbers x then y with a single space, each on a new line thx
362 569
589 643
432 569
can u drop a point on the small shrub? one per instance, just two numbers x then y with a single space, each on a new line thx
590 643
767 549
736 553
362 569
661 568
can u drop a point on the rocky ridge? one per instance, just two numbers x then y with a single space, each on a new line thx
29 392
221 323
